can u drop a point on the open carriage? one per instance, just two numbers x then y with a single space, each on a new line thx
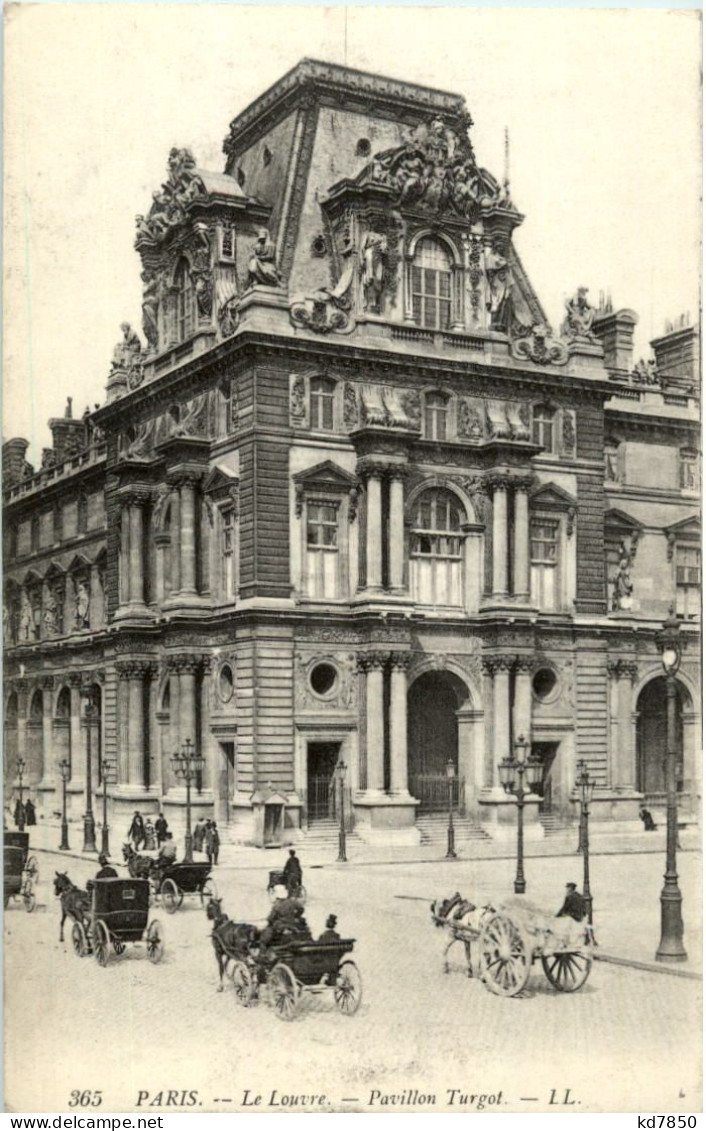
298 966
21 871
174 882
505 941
278 879
119 915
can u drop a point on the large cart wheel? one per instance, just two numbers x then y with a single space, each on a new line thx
568 970
155 941
242 983
504 958
119 947
172 896
79 940
32 868
284 992
348 991
101 942
29 899
208 891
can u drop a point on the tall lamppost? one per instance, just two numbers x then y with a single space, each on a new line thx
107 769
512 772
21 765
585 786
65 771
671 947
89 824
187 764
450 832
342 858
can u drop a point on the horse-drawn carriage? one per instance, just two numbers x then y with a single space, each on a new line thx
174 881
118 915
21 871
508 939
279 879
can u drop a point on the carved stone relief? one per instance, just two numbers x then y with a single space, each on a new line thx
344 692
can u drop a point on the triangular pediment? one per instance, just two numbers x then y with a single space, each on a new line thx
55 570
688 528
326 474
79 562
220 479
616 517
551 497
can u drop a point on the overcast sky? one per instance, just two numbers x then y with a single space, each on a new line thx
603 109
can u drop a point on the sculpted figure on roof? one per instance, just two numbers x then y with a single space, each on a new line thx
169 206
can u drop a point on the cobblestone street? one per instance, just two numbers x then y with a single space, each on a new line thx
153 1029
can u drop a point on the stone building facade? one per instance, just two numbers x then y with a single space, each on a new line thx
352 501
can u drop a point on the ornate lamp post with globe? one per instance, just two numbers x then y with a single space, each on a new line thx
342 858
188 765
671 947
65 771
512 772
21 766
451 832
585 786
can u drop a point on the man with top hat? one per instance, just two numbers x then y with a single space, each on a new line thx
106 872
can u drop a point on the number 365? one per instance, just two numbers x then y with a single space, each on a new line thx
86 1098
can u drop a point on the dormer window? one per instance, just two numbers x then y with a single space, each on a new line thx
431 285
322 391
436 416
184 301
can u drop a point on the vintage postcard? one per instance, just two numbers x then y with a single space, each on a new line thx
352 560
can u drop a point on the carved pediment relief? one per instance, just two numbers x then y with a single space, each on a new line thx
327 479
386 406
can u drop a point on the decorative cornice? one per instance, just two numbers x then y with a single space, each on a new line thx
185 663
372 661
401 661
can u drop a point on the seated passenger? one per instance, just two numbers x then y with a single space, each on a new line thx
330 934
106 872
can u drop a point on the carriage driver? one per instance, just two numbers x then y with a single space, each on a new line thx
107 872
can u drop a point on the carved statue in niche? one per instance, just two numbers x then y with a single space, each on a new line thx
470 425
128 350
327 309
568 432
579 318
262 269
26 620
350 406
228 317
201 271
82 604
297 399
622 583
150 307
373 266
497 274
50 616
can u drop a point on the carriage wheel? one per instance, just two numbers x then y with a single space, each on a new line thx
284 992
348 991
172 897
79 940
101 942
567 971
29 899
32 868
504 958
242 983
207 891
119 947
155 941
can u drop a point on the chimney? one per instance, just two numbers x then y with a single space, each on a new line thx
13 461
616 333
677 356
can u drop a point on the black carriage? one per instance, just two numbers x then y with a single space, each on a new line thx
119 915
21 871
186 878
278 879
297 966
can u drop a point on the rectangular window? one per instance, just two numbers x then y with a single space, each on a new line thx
544 549
431 298
228 553
435 417
322 395
688 570
322 549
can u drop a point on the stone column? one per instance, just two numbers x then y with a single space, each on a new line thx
124 559
136 725
521 574
49 768
373 529
187 522
498 486
396 527
522 722
400 662
205 743
22 688
136 585
187 667
123 670
625 672
373 663
500 667
75 743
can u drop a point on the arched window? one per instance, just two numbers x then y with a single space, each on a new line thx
321 394
436 416
431 285
436 550
543 427
184 301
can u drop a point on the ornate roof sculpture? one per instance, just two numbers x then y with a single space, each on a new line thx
169 206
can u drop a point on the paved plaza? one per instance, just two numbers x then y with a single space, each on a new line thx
419 1033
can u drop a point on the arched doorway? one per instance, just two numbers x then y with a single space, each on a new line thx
433 701
10 742
652 736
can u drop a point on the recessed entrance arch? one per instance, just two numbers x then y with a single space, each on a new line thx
433 702
652 735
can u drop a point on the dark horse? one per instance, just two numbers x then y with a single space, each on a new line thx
230 939
74 902
139 867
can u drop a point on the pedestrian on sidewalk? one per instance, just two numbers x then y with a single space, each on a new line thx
213 842
161 828
136 832
20 813
199 834
30 812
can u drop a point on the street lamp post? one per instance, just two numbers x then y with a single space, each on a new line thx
342 858
187 764
89 824
671 947
107 768
65 771
585 786
512 773
21 764
451 832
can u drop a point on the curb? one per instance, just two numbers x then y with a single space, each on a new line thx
649 967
